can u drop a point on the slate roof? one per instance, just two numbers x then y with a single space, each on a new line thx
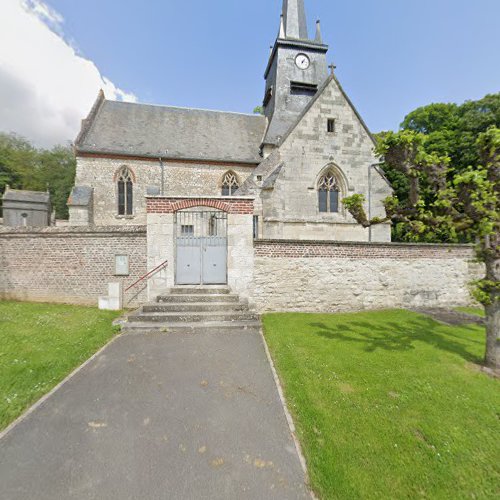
269 169
26 196
149 131
271 180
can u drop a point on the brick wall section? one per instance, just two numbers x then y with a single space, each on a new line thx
70 265
165 205
354 250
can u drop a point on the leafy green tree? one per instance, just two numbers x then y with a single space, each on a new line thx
443 204
450 130
23 166
258 110
7 176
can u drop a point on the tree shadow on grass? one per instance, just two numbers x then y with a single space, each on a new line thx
393 336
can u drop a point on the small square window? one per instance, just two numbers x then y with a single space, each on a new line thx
187 230
331 126
259 178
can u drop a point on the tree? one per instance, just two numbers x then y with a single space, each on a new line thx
23 166
446 205
57 172
450 130
453 130
258 110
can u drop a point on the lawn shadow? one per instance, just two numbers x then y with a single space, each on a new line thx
393 336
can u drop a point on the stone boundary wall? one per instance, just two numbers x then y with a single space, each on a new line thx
337 276
166 205
70 264
359 250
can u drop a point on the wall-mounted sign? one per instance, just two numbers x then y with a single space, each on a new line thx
121 265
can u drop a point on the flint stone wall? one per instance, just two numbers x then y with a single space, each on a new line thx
181 179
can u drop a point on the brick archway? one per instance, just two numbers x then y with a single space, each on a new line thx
185 204
167 205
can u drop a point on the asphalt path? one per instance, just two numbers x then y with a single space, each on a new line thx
159 416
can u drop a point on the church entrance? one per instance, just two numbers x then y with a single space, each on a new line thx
201 247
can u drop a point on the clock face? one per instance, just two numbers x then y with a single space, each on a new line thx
302 61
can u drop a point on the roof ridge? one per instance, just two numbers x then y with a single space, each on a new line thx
87 122
26 191
187 108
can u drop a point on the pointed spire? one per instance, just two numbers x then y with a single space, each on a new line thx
282 27
295 23
318 38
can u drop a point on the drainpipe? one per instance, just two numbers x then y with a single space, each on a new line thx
373 165
370 201
162 186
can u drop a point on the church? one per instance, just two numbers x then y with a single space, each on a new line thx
189 206
292 165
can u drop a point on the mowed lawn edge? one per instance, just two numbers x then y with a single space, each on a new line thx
389 404
40 345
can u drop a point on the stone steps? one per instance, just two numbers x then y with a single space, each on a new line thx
184 298
192 317
194 310
198 328
194 307
200 290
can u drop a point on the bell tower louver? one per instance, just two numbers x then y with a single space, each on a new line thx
296 69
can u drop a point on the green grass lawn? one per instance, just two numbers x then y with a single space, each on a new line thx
42 343
475 311
389 404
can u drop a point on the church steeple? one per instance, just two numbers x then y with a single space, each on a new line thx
294 16
297 67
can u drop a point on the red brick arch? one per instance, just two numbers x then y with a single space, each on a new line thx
166 205
217 204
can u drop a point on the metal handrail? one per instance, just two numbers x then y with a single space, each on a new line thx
147 276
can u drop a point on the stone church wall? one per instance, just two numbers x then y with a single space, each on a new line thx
290 210
69 265
330 277
181 179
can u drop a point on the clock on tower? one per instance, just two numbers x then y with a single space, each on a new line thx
297 67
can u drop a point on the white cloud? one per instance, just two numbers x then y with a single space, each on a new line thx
44 12
46 87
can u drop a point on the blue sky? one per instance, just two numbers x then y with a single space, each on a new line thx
391 55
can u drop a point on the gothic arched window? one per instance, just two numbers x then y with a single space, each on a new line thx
125 191
328 193
230 184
